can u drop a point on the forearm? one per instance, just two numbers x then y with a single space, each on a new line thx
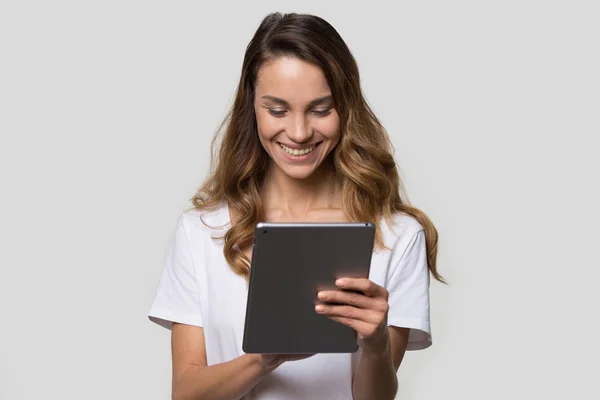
226 381
376 377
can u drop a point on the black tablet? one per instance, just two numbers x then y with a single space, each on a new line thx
291 262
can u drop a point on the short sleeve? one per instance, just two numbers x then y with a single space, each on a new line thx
408 289
177 298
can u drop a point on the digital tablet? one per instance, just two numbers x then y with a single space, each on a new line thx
290 263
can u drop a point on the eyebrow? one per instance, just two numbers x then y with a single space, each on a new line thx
315 102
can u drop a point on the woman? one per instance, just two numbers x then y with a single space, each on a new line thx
300 144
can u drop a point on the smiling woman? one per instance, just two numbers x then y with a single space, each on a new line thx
300 144
297 123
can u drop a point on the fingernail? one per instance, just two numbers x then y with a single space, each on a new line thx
340 282
319 308
322 295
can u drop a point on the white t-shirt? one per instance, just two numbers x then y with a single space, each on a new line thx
199 288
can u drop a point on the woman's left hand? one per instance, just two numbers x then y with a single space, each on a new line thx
363 306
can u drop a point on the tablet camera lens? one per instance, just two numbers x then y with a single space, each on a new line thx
265 232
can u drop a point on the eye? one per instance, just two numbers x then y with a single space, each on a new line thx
322 113
277 113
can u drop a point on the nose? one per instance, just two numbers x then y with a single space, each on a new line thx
300 131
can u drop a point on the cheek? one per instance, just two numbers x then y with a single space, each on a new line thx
329 127
267 126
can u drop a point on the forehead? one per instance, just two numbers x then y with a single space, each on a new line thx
291 79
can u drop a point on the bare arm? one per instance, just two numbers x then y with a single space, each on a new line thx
376 375
193 379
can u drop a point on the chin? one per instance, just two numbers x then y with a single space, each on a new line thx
298 173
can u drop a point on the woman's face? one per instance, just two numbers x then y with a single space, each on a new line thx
297 123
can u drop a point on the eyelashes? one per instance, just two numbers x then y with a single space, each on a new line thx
277 113
322 113
318 113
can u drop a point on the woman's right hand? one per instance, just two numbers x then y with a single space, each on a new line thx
272 361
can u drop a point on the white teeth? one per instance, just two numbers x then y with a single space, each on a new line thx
297 152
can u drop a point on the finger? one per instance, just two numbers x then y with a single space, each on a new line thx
350 312
364 329
366 286
354 299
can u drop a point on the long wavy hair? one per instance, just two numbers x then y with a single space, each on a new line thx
363 160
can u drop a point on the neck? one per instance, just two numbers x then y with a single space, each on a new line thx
297 197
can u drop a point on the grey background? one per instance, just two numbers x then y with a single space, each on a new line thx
106 112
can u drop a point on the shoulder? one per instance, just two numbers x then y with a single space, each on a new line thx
212 222
402 259
399 229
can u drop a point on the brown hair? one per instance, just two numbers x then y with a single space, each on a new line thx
363 159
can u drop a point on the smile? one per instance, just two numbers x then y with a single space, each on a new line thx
297 152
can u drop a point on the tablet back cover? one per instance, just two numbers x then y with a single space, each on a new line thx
290 264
